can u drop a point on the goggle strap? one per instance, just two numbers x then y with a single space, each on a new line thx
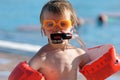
79 40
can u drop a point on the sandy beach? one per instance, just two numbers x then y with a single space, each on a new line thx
9 61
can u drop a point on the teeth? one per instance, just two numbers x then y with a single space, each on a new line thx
57 41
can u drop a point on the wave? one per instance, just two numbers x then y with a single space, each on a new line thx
19 46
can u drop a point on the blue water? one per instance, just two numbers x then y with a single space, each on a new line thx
15 14
25 13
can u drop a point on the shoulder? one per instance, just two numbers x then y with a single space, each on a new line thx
41 53
37 60
84 58
76 49
80 51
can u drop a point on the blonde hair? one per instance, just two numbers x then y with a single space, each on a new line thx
59 7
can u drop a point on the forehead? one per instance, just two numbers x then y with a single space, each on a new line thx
50 15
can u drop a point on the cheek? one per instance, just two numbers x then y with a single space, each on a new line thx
69 30
47 33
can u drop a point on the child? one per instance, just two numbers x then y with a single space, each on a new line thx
58 60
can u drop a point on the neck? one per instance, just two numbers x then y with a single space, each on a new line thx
59 46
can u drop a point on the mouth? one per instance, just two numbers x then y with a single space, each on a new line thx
58 38
57 41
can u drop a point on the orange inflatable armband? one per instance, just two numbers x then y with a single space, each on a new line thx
24 72
104 63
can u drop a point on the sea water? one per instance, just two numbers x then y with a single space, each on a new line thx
20 25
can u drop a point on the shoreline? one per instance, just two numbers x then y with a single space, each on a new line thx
8 62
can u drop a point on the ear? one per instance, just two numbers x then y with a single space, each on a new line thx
43 31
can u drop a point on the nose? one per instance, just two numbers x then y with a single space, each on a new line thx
57 29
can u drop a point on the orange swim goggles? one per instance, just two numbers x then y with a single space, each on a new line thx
52 24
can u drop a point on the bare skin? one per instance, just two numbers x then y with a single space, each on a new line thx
59 61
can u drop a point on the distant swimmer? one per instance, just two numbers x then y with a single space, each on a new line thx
102 19
108 17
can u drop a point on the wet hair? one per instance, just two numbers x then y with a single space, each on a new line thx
102 19
59 7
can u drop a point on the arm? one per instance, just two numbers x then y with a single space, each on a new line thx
27 71
103 65
84 60
24 72
37 60
116 15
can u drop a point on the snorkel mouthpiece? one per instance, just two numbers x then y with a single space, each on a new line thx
58 38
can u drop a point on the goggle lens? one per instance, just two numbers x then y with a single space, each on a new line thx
51 24
48 24
65 24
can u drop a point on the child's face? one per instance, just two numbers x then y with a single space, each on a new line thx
54 23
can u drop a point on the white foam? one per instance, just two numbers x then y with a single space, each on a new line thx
4 61
4 73
19 46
